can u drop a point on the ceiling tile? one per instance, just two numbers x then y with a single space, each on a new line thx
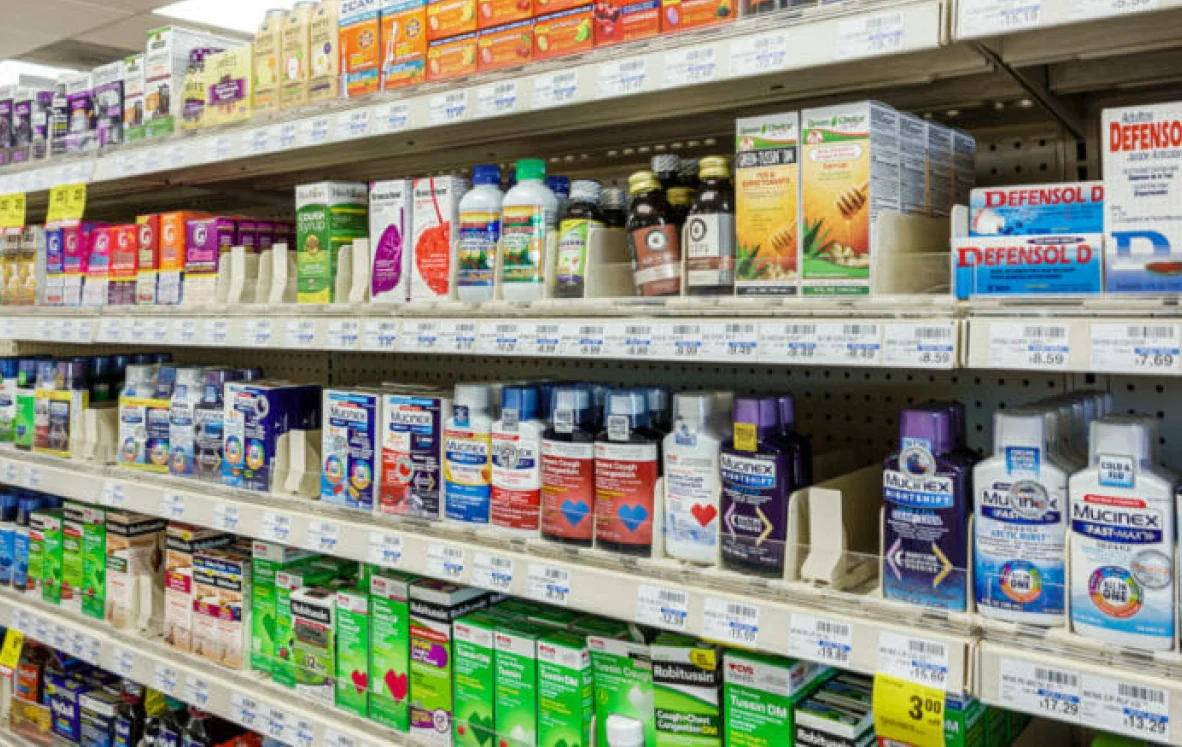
16 43
59 18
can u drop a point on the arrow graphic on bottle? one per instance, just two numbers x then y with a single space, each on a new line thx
896 554
943 574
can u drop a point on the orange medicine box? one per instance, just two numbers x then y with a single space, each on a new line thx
494 13
451 58
404 43
564 32
546 7
617 21
505 46
448 19
679 15
358 30
171 255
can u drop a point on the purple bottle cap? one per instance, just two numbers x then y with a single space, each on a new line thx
787 407
930 423
762 412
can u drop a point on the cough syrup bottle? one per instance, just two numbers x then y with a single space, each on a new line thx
1122 539
755 470
627 467
798 446
691 480
926 511
467 469
1020 524
568 469
516 452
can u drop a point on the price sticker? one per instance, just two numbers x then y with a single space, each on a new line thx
257 141
621 78
157 331
555 89
59 635
344 334
184 331
729 341
1045 347
1030 687
818 639
218 148
14 641
492 571
32 479
918 345
225 517
300 333
353 124
50 329
548 583
380 335
1085 9
870 35
500 338
496 99
916 660
908 713
135 329
583 339
392 117
196 691
445 561
792 342
543 339
756 55
12 210
628 340
166 680
731 621
275 723
172 506
1135 348
323 536
244 710
8 328
977 18
420 336
288 135
276 527
678 341
446 108
686 67
258 331
67 203
458 337
305 733
124 662
857 344
315 131
215 331
333 738
385 549
1125 708
661 607
112 494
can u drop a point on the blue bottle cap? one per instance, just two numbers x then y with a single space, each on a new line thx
162 357
559 185
487 173
9 367
523 399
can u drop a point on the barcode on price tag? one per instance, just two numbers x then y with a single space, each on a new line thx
215 331
124 662
791 342
496 98
499 338
353 124
420 336
112 495
1084 9
555 89
385 549
583 339
225 517
492 571
868 36
621 77
275 723
977 18
1029 345
276 527
184 331
258 331
445 561
851 343
1135 348
1125 707
344 334
196 691
1038 688
380 335
392 117
300 333
918 345
685 67
820 640
458 337
172 506
661 607
333 738
546 339
305 733
755 55
244 710
730 621
448 107
628 340
548 583
315 131
166 680
322 536
918 660
678 341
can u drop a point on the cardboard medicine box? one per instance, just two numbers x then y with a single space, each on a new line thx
328 216
361 46
767 205
404 35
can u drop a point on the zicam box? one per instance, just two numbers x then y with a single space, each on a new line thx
619 21
329 215
1143 214
447 18
389 650
760 695
1028 265
492 13
1037 210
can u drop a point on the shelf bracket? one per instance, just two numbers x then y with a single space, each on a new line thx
1038 92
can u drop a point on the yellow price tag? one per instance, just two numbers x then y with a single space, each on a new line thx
746 437
908 713
14 640
12 210
67 203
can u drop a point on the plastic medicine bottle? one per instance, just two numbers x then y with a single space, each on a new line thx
627 467
516 453
529 213
480 230
574 232
691 480
568 468
467 468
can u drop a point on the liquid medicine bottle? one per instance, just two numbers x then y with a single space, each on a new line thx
529 214
568 469
480 232
627 468
516 452
467 469
652 238
691 479
710 233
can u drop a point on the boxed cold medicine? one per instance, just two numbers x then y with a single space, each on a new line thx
135 570
268 559
1037 210
515 713
227 93
389 651
351 470
362 46
566 690
182 542
294 48
1143 212
266 62
761 693
314 614
257 414
687 691
324 73
623 673
133 98
475 677
411 443
108 100
221 606
767 205
390 210
436 219
329 215
849 175
166 61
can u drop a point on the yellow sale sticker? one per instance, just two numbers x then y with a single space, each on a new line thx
14 640
12 210
67 202
907 712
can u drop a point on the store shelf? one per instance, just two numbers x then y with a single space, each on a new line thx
768 615
238 696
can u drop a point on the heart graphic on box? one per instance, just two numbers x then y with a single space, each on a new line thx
704 514
575 511
360 681
632 516
396 684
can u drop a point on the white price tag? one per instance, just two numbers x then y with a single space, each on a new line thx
678 341
918 660
157 331
380 335
445 561
50 329
257 141
215 331
870 35
1036 688
32 479
620 77
333 738
920 345
275 723
184 332
500 338
219 148
225 517
1135 347
420 336
821 640
851 343
628 340
729 341
305 733
353 124
112 494
385 549
110 329
755 55
685 67
7 328
59 635
492 571
543 339
275 527
392 117
123 662
548 583
457 337
344 334
1029 345
446 108
730 621
496 99
176 156
1084 9
244 710
172 506
135 329
258 331
323 536
555 89
196 691
583 339
315 131
166 680
288 136
1125 708
977 18
300 333
789 342
661 607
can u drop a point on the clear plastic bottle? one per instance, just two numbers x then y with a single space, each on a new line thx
529 214
516 452
691 479
568 468
627 468
574 232
467 467
480 230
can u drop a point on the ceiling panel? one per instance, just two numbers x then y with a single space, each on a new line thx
15 43
58 18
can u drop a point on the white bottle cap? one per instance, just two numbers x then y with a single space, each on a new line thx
1120 435
473 396
696 407
623 731
1019 427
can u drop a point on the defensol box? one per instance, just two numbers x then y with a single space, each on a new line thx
1037 209
1028 265
1143 215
